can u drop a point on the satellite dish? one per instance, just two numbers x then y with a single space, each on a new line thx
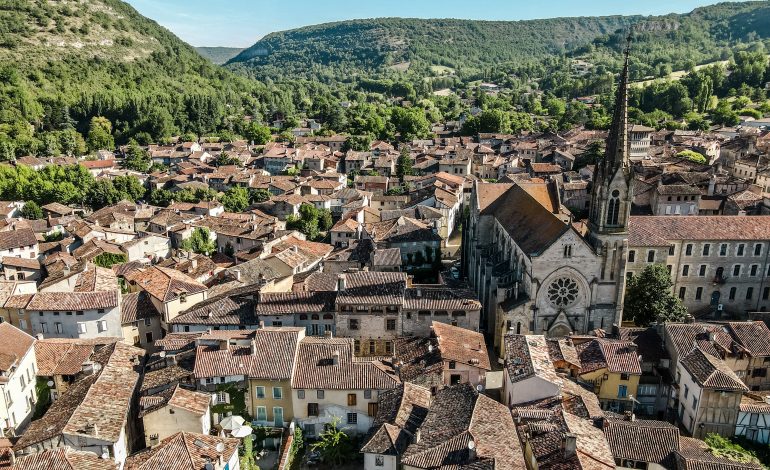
220 447
471 444
162 354
479 388
50 383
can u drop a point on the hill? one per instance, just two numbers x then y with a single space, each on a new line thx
219 55
471 48
63 63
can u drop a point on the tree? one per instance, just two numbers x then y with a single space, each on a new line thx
102 193
200 242
306 222
325 221
404 163
31 210
107 260
129 187
257 195
334 445
137 158
411 123
257 133
223 160
100 134
235 199
649 298
692 155
358 143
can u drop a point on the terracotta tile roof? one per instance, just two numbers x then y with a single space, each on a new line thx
695 455
63 458
588 399
531 224
282 303
755 402
649 230
177 341
220 310
686 336
14 345
711 372
18 301
400 413
137 306
83 410
270 355
195 402
182 451
387 257
17 238
643 440
315 367
20 262
60 301
458 415
615 356
65 356
440 298
563 350
461 345
752 335
401 230
527 356
373 288
167 284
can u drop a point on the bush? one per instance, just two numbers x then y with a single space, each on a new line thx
692 155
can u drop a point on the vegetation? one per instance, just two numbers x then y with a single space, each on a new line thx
219 55
235 199
649 298
31 210
692 155
200 242
334 445
723 447
310 221
107 260
297 449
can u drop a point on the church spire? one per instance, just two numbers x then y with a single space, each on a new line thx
616 153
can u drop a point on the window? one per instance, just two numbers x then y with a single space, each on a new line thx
301 394
686 270
372 347
737 270
765 293
183 297
353 323
147 321
695 402
79 312
749 293
698 293
59 328
43 327
647 390
367 394
101 310
631 256
741 248
651 256
671 250
686 391
733 290
351 399
277 393
452 364
706 249
261 413
319 394
682 292
260 392
223 397
389 346
312 409
623 376
101 326
622 391
390 324
702 270
754 269
148 336
352 418
688 250
371 409
757 249
379 461
723 249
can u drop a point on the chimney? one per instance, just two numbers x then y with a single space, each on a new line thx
417 436
224 344
689 318
87 368
194 264
237 274
712 184
328 334
629 416
341 282
336 358
569 444
253 347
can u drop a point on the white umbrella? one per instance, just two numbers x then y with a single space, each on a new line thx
232 422
242 431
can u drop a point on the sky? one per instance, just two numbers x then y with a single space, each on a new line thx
240 23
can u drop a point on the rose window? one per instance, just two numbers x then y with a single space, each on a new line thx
563 292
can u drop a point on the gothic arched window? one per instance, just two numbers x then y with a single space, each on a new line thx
613 208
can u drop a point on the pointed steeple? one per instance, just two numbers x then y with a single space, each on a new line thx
616 153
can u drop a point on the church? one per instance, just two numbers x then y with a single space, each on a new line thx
535 269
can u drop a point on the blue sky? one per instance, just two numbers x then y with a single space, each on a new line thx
240 23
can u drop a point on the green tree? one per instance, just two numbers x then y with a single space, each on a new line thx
200 242
334 445
649 298
257 195
107 260
411 123
404 163
257 133
223 160
306 222
358 143
31 210
692 155
235 199
100 134
129 187
325 221
102 193
137 158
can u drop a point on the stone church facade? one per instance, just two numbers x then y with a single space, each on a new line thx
537 272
